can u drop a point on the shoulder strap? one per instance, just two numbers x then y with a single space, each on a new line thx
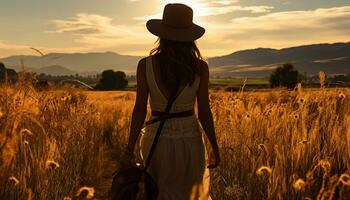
171 100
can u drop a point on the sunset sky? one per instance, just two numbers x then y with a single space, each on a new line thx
119 25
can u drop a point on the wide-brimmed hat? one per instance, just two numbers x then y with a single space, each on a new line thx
177 24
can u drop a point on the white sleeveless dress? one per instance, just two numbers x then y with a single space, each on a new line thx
178 164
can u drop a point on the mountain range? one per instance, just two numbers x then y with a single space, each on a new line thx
68 64
331 58
310 59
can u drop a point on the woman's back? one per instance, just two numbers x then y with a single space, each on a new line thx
178 163
186 96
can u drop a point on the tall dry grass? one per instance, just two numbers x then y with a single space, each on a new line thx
51 142
274 145
283 145
277 144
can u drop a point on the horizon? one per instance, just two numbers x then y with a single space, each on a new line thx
119 26
101 52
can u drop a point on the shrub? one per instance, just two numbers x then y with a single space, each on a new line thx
112 80
285 76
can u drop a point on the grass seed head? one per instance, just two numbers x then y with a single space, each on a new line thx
344 179
299 184
264 170
341 95
299 87
322 77
325 165
25 131
304 141
14 180
301 100
87 192
64 98
50 164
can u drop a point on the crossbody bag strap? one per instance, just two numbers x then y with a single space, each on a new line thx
160 127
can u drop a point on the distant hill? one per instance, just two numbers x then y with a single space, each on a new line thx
310 59
331 58
77 62
55 70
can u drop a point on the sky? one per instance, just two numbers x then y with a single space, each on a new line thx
66 26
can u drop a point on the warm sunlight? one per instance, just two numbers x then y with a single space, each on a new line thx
174 99
118 25
199 7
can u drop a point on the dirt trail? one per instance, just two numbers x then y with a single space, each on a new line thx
104 184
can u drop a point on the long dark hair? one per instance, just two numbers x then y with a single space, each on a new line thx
179 61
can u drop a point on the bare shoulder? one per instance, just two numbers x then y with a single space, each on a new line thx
204 68
142 62
141 66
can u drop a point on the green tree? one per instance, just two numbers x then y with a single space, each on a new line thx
7 74
3 72
112 80
285 76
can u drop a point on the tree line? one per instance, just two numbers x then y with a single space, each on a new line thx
108 80
283 76
287 76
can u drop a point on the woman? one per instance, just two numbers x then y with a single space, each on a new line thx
178 162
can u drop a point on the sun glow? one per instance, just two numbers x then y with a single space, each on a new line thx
199 7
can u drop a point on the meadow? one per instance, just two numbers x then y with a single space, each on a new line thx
277 144
228 82
237 82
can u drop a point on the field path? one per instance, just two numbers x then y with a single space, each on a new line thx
104 184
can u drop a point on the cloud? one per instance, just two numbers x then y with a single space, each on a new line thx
279 29
229 9
212 8
223 2
98 30
82 24
8 49
87 24
4 45
313 21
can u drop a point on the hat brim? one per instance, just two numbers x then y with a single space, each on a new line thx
156 27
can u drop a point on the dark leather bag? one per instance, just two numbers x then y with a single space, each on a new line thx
135 183
132 184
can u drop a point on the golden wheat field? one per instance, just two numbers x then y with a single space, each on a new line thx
277 144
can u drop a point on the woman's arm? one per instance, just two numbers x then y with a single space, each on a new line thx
205 115
140 107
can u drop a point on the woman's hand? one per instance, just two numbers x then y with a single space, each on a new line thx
214 158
